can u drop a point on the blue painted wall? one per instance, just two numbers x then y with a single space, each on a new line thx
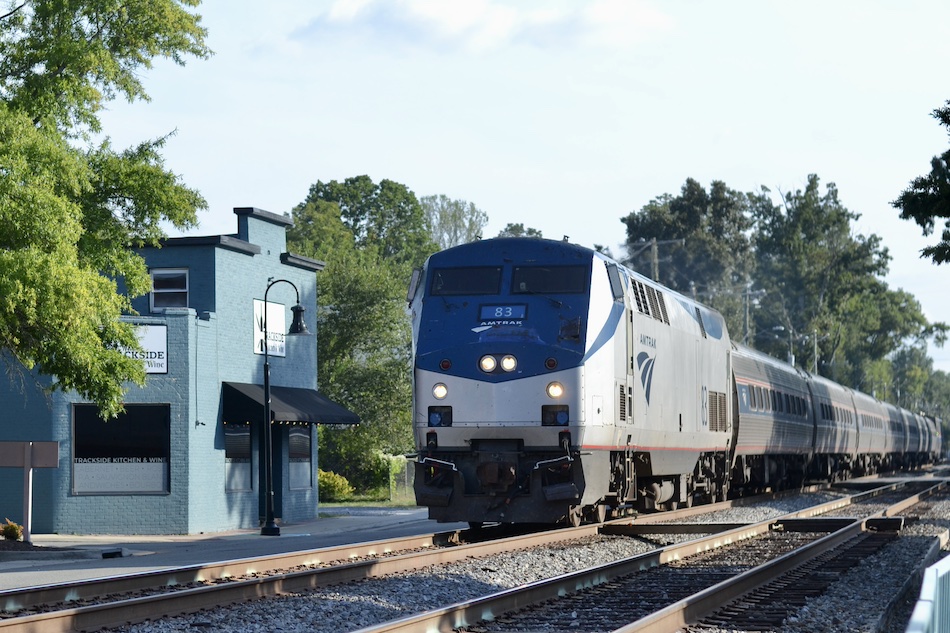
209 342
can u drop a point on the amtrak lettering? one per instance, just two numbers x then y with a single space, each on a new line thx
649 341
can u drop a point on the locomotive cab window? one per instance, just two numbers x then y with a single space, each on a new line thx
469 280
549 280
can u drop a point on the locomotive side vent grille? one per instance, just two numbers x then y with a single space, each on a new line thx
717 412
654 306
623 405
662 302
641 296
650 301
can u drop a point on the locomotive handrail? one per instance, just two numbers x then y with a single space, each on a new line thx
562 458
439 461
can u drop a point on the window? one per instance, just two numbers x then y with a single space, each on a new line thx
472 280
299 453
169 288
549 280
237 456
129 454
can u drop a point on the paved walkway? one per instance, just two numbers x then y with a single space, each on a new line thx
93 556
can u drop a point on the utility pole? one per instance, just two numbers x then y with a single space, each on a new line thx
653 244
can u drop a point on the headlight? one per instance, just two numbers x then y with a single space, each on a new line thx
440 391
487 364
555 390
509 363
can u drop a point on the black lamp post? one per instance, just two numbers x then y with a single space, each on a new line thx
297 327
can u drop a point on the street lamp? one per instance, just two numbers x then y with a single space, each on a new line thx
297 327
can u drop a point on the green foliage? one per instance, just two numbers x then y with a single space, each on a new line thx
60 62
822 281
69 216
702 248
453 222
386 216
936 398
11 531
333 487
348 451
369 236
518 230
928 198
804 279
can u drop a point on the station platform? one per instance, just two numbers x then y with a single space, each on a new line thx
67 557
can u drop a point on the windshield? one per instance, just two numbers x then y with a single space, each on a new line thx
471 280
549 280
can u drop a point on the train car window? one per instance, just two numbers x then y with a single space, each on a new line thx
752 403
788 403
469 280
549 280
758 392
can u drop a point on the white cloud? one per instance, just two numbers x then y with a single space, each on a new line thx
484 26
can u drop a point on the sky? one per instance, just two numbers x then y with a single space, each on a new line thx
562 115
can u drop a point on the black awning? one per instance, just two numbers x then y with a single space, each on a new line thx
244 402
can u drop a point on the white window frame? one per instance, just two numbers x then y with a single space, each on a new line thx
176 271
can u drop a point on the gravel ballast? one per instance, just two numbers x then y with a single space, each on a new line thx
854 604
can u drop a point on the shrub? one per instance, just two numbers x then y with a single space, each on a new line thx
333 487
11 531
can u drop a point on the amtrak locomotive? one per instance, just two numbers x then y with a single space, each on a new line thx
553 385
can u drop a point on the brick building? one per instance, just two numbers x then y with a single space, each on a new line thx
185 457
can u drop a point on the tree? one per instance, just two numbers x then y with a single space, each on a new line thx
387 215
70 210
518 230
696 243
937 396
928 198
823 281
364 343
453 222
912 370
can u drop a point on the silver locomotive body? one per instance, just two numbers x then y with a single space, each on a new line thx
551 385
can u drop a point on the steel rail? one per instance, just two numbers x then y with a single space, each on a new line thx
490 607
705 602
231 589
14 600
138 609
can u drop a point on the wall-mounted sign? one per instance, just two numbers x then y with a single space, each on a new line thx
153 339
276 328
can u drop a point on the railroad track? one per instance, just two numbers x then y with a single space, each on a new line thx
566 599
112 602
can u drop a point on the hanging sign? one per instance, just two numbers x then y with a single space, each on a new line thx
276 327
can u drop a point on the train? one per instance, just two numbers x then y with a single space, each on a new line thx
552 384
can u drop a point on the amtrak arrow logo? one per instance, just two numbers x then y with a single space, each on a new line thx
645 364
